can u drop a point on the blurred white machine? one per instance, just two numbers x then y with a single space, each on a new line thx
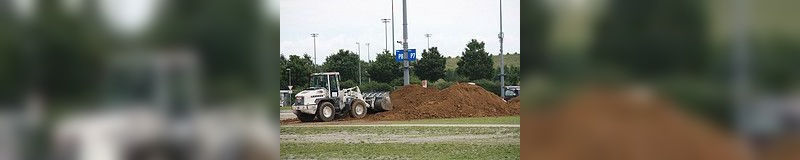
152 110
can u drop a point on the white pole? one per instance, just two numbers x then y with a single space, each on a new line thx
502 58
406 80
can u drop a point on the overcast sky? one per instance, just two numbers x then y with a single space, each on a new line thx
342 23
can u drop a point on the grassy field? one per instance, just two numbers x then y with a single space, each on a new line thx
398 151
286 108
510 60
404 142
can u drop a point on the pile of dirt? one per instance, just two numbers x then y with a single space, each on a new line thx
514 102
409 96
459 100
610 123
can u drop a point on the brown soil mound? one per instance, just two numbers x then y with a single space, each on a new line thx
613 124
459 100
412 95
514 102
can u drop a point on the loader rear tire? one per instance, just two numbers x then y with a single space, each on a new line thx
326 112
358 109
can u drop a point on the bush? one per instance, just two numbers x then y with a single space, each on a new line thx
347 84
411 79
442 84
489 85
452 76
374 86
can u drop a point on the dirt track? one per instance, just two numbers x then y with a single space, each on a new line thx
285 116
401 133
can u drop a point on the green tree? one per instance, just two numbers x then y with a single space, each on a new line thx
300 70
475 62
512 75
284 81
537 19
345 62
431 66
11 56
69 50
652 38
226 36
384 69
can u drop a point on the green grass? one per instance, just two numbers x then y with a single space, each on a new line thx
474 149
398 151
432 131
510 60
470 120
286 108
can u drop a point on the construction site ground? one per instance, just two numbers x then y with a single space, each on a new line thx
463 121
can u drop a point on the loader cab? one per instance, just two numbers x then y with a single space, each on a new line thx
511 92
328 81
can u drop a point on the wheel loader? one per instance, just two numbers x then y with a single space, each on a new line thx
324 101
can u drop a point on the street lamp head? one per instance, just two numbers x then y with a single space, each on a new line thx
401 42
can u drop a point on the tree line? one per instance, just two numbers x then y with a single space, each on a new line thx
476 65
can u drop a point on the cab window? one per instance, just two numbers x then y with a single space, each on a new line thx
334 83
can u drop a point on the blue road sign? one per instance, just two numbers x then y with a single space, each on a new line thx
412 55
398 55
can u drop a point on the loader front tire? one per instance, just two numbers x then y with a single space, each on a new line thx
326 112
358 109
303 117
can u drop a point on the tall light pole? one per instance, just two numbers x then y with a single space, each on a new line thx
405 46
359 63
393 49
368 60
314 35
428 35
289 72
386 33
502 59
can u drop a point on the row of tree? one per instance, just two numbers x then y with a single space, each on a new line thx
475 64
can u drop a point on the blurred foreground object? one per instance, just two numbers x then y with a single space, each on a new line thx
622 123
152 110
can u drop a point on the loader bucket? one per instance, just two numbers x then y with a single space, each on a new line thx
379 101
